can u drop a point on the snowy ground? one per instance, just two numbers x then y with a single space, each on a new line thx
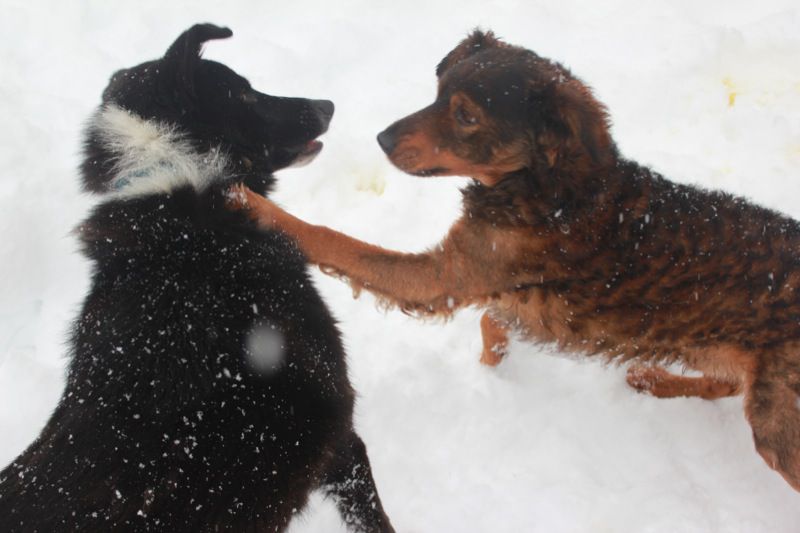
706 92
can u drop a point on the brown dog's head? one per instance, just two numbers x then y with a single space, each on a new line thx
501 109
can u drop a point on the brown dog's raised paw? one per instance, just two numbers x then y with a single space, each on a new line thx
239 197
236 197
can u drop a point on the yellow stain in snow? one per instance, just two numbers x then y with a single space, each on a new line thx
732 92
371 182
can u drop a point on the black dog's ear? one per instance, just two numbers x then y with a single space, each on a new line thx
184 53
572 125
474 43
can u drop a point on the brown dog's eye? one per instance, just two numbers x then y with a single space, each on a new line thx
464 117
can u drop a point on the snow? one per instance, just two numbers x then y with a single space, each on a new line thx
705 92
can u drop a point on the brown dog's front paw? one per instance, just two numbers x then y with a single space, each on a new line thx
495 340
236 197
492 356
240 198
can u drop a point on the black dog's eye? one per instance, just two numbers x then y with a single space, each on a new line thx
464 117
248 97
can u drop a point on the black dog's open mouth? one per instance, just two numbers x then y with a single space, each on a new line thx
307 153
312 148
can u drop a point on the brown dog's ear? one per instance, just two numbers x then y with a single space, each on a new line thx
571 124
474 43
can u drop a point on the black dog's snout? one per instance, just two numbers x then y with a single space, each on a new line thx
324 110
387 141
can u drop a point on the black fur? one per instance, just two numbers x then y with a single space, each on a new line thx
168 422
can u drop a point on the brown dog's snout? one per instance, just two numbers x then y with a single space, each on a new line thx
388 140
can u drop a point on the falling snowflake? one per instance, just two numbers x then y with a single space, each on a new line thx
265 348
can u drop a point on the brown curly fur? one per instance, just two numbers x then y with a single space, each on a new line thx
565 241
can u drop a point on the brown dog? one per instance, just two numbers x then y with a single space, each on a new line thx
564 240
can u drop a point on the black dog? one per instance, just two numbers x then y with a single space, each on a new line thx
208 388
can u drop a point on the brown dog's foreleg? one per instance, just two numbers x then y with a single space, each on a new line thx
662 384
474 262
495 340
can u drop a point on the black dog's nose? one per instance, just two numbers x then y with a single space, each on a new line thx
324 110
387 141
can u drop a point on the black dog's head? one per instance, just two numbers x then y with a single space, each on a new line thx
210 107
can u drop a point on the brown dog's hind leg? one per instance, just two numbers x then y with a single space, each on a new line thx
772 406
495 340
662 384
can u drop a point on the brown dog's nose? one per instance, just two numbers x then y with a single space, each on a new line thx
387 141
